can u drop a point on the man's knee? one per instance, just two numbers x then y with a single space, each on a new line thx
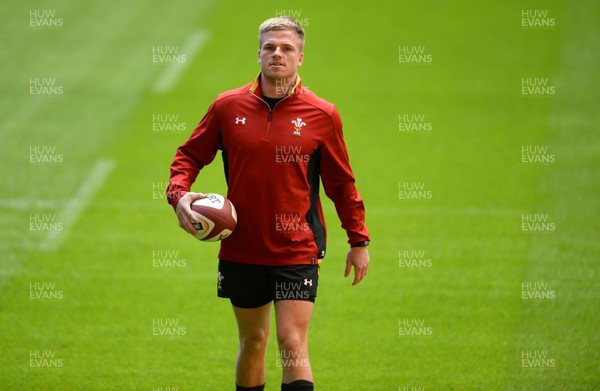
291 340
254 342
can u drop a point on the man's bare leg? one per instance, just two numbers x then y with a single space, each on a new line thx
293 318
253 330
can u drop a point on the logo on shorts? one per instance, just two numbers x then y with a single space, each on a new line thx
220 279
307 282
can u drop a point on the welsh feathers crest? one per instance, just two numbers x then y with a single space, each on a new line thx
298 124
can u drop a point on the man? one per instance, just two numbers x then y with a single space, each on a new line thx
278 140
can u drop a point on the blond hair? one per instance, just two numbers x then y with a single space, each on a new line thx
282 23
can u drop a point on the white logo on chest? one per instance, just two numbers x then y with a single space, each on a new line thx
298 124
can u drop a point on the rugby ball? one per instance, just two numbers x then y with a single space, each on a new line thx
216 217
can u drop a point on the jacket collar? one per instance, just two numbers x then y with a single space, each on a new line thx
255 87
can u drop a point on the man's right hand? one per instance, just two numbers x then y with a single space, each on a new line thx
184 211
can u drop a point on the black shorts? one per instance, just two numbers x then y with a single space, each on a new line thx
252 286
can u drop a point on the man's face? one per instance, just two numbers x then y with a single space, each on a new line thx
279 55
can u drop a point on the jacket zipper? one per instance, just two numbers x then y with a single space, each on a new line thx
270 111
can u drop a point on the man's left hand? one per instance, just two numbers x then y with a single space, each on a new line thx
359 258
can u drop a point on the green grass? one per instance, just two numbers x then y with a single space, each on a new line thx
470 297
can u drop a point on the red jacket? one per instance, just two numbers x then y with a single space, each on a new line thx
273 161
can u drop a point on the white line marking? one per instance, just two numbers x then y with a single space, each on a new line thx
429 211
23 203
465 211
77 204
170 75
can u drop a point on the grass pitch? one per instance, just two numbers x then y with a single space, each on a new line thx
473 133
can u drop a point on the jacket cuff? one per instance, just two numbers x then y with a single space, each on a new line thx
173 198
363 243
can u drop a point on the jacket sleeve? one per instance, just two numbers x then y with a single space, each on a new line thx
198 151
338 182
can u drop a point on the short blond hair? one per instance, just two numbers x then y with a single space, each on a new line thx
282 23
